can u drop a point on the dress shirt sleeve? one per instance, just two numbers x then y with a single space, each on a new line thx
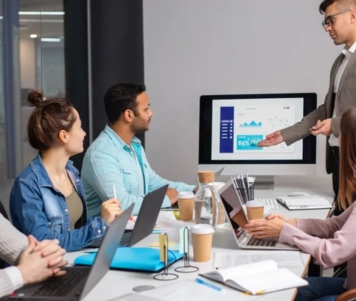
327 252
105 172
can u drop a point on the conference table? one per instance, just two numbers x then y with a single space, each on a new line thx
118 283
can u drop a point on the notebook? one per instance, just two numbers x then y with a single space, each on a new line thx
139 259
304 203
256 278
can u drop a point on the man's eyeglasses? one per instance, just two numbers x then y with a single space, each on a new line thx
330 19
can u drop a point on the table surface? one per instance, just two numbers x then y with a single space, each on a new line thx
118 283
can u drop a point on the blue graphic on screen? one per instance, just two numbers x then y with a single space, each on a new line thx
248 142
251 124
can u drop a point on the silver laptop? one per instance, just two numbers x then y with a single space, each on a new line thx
78 281
232 204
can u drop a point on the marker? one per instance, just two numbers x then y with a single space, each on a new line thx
200 281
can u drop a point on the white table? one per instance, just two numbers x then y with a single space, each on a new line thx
117 283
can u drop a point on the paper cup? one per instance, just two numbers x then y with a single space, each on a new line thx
206 176
202 239
239 218
254 210
186 205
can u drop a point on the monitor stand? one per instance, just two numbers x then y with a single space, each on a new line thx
264 182
261 182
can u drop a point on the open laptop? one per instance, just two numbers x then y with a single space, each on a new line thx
78 281
233 204
146 219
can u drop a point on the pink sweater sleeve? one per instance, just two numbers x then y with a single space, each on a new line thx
330 242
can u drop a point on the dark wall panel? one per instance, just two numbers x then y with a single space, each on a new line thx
76 64
117 50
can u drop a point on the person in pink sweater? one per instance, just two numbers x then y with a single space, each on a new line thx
332 241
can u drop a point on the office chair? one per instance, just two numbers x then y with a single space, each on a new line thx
4 213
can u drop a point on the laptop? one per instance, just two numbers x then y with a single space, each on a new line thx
232 205
145 221
78 281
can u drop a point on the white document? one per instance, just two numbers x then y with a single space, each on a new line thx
189 290
285 259
166 222
309 202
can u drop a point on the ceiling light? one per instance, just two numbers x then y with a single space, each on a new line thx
50 40
41 13
33 36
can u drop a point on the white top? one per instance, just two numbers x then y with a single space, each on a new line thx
333 141
15 277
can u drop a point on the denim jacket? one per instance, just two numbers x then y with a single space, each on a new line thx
38 208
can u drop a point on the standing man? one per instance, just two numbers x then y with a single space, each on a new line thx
340 24
116 163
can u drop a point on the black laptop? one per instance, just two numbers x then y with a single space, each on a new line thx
78 281
145 221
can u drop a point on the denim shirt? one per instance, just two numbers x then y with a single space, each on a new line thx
109 162
38 208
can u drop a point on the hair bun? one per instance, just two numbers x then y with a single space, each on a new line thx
35 98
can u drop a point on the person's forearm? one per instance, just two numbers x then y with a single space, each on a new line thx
7 285
12 242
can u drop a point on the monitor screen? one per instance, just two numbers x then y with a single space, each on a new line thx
231 126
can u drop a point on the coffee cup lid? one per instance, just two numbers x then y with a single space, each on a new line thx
254 204
186 195
202 229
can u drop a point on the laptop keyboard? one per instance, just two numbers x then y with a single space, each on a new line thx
270 202
266 242
61 286
125 239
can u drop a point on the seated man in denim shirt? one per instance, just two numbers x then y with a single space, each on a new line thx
116 160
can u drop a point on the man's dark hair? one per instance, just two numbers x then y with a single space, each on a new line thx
325 4
121 97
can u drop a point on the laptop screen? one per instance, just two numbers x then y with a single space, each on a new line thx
233 207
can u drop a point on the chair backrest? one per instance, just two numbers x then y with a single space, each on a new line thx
4 213
3 210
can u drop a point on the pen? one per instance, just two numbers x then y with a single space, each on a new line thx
200 281
257 293
114 191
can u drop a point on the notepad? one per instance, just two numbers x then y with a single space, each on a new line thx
256 278
140 259
304 203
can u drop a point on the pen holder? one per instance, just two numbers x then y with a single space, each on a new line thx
165 275
187 267
246 194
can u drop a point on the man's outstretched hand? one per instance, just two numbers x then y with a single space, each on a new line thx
272 139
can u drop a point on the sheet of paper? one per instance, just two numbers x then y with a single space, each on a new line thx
284 259
166 221
163 246
189 290
156 244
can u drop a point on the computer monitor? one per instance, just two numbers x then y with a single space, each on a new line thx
232 125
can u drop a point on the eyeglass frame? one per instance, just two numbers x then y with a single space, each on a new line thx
328 20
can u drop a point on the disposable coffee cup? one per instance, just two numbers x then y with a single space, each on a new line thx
239 218
186 205
202 239
254 210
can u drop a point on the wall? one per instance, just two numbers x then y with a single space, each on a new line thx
225 47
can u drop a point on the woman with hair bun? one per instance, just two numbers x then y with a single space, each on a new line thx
47 199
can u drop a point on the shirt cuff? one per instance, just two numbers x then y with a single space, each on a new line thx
15 277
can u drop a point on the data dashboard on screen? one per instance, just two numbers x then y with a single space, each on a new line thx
231 126
238 125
